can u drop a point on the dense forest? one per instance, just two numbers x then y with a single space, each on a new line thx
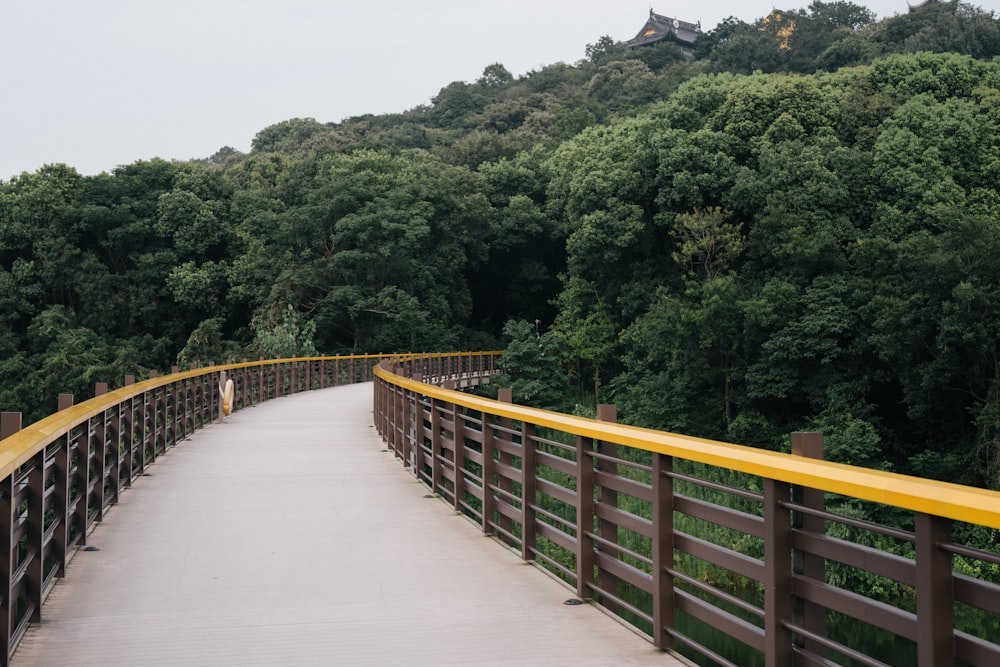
797 229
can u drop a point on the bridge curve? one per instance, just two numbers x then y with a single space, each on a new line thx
320 549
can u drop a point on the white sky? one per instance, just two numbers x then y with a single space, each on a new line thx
100 83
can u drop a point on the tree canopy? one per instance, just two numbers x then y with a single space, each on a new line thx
799 228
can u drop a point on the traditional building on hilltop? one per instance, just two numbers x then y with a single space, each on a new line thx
920 5
659 28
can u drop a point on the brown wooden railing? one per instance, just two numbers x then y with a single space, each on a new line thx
675 535
628 518
60 475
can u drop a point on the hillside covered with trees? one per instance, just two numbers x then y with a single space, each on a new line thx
799 228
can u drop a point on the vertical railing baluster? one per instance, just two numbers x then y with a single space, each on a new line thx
100 442
458 433
399 423
175 407
488 472
35 534
60 498
416 429
528 491
260 383
584 516
149 425
115 454
151 432
608 530
435 446
505 483
778 641
78 518
809 615
128 434
935 592
378 411
59 502
8 556
663 551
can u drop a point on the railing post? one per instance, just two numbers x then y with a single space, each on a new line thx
115 455
416 419
175 410
35 533
404 428
458 433
10 423
60 495
608 530
391 423
528 491
264 374
377 407
488 472
778 641
935 592
100 460
127 432
8 556
385 404
389 404
60 504
809 615
504 483
435 446
139 431
663 551
152 427
161 417
584 516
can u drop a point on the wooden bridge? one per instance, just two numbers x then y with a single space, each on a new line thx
397 519
253 543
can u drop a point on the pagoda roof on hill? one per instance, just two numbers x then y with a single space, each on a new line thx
660 27
915 6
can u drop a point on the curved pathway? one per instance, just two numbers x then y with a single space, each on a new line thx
287 536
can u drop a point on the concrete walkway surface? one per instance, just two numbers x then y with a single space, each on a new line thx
287 536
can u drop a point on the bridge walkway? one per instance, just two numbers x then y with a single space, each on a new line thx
288 536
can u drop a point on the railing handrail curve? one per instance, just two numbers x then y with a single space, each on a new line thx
937 498
18 448
621 515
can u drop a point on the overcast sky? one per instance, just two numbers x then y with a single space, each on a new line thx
100 83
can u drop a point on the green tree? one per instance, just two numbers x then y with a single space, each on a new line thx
282 337
531 366
495 76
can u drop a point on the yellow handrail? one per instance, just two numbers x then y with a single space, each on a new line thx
954 501
17 449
